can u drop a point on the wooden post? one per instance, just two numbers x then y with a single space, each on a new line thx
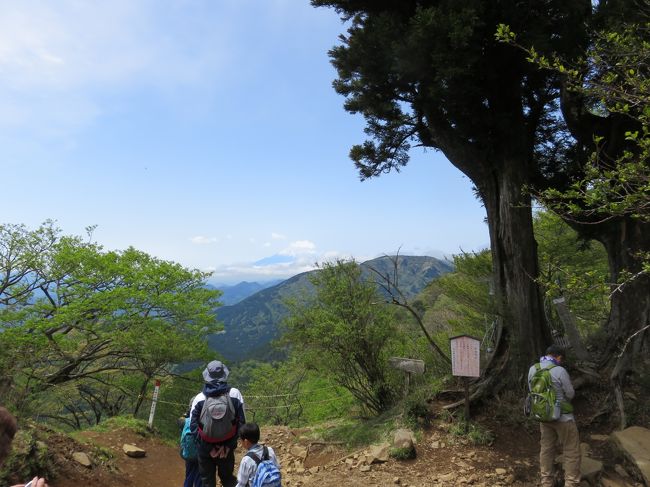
466 384
408 365
571 329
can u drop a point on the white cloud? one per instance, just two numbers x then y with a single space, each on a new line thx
304 258
300 247
242 272
278 236
334 255
201 240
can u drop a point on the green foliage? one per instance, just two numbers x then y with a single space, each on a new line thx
86 330
402 453
138 426
252 324
346 332
415 405
574 269
469 287
472 433
613 187
432 74
460 303
427 74
287 393
29 457
610 82
358 432
608 87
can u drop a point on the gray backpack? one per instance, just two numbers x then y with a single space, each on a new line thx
218 421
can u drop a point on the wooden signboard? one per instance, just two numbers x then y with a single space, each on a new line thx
465 363
465 356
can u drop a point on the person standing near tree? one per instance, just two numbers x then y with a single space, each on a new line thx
562 430
217 413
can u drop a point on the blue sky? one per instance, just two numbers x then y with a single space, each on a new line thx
206 132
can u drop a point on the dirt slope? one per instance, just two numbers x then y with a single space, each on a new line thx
441 461
313 463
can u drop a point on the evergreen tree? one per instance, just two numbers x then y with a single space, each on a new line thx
431 74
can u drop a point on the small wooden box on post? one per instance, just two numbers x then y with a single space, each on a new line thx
465 362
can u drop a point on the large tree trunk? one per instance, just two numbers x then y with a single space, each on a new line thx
514 260
501 183
625 239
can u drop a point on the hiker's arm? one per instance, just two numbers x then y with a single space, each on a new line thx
239 410
196 414
245 469
531 373
274 458
36 482
567 387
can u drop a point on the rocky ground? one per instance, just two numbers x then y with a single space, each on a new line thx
441 460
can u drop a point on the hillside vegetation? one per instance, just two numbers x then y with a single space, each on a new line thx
552 112
335 376
253 323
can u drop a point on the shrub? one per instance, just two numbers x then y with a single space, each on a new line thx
402 453
29 457
473 433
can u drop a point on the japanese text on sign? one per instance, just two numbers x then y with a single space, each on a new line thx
465 356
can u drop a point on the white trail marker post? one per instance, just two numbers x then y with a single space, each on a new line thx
154 400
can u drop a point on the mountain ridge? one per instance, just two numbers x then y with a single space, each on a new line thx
233 294
251 324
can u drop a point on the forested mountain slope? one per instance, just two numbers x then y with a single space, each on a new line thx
252 323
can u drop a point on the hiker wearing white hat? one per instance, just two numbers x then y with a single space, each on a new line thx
217 413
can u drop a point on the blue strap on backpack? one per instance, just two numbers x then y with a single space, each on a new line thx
267 474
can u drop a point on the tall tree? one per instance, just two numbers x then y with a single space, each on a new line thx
346 332
430 73
605 103
600 174
72 313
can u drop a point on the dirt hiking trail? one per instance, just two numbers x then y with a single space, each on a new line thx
442 460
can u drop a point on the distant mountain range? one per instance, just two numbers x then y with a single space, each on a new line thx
253 322
238 292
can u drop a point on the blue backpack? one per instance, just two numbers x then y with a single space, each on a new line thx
267 474
188 442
